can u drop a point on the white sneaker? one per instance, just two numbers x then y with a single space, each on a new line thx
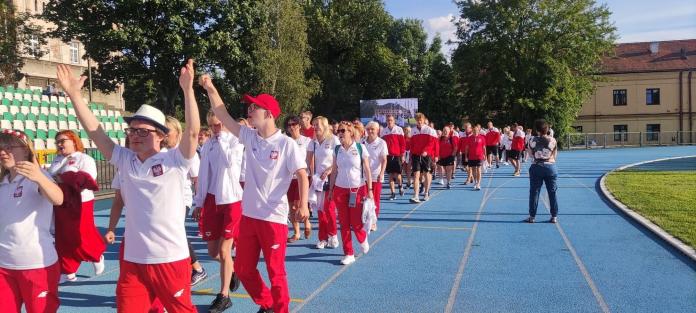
365 246
441 182
99 266
67 278
426 197
414 200
333 242
321 244
348 259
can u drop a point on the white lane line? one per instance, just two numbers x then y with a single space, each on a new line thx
343 269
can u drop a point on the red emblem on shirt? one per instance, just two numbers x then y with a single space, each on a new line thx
18 191
71 162
157 170
274 155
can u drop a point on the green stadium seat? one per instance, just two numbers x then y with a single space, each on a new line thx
52 133
2 89
45 104
62 118
54 104
20 117
83 134
120 134
19 91
43 117
41 134
112 134
6 102
30 133
26 103
72 118
36 103
10 89
53 117
8 116
31 117
16 102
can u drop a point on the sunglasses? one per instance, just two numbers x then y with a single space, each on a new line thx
341 130
140 132
61 141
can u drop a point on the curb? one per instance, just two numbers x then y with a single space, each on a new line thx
685 249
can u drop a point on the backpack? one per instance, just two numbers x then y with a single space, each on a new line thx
359 146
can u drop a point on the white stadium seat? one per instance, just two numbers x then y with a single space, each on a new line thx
45 110
85 142
24 110
5 124
50 144
52 125
3 109
14 109
62 111
41 125
73 125
62 125
17 125
39 144
46 98
53 111
29 125
35 110
9 95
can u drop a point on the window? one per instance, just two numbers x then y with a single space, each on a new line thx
652 96
652 132
36 6
74 52
578 129
620 132
620 97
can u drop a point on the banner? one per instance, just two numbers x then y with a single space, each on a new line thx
403 110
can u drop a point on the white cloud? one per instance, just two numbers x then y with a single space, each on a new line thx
443 25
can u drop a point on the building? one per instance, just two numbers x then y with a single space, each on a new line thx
39 73
649 91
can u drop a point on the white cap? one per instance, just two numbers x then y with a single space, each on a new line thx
150 114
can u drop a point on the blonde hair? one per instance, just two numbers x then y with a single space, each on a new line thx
18 138
172 124
419 116
324 123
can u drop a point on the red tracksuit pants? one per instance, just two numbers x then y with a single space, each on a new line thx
255 236
327 218
350 218
376 194
37 289
77 239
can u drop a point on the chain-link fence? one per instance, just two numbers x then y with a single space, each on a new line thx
628 139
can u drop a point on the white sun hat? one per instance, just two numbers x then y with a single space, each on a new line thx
151 115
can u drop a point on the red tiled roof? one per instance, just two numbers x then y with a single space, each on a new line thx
636 57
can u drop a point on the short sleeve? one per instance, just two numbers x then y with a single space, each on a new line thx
383 152
246 135
120 156
365 153
89 166
295 159
116 182
179 159
311 146
195 166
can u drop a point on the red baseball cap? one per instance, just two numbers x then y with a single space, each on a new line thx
264 101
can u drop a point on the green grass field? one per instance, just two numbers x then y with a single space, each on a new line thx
668 199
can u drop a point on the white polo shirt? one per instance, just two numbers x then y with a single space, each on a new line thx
151 190
75 162
323 153
377 150
350 174
271 163
221 166
25 222
302 142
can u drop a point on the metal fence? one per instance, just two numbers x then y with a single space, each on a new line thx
628 139
105 171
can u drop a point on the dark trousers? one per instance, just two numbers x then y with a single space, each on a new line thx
542 174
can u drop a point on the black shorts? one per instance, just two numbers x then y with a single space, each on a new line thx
474 163
491 150
421 164
393 165
448 161
513 154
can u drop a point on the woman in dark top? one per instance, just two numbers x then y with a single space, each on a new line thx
543 149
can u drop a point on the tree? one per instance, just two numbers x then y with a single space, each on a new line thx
350 55
519 60
281 56
439 102
407 38
145 43
18 36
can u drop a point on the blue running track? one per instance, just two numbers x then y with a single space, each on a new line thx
468 251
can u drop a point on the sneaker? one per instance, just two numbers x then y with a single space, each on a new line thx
529 220
497 165
441 182
262 310
426 197
234 282
220 304
71 278
321 244
516 174
365 246
348 259
333 242
392 197
477 188
553 220
197 277
99 266
414 200
448 186
506 163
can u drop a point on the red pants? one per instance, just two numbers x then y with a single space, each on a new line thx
327 219
139 284
350 218
376 194
77 239
37 289
256 236
220 221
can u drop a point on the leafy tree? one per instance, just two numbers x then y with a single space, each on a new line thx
17 31
407 38
519 60
144 43
439 102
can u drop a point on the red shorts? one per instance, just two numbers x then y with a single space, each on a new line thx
220 221
37 289
293 192
140 284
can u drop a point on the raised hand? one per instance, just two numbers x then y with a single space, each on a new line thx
187 75
71 84
206 82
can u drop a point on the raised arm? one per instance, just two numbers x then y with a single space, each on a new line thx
218 106
72 86
189 138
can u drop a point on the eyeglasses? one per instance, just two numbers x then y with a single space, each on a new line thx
61 141
141 132
341 130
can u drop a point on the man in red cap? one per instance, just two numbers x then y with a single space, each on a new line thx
272 159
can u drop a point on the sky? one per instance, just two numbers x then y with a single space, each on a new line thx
635 20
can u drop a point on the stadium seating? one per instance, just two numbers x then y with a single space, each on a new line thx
41 117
